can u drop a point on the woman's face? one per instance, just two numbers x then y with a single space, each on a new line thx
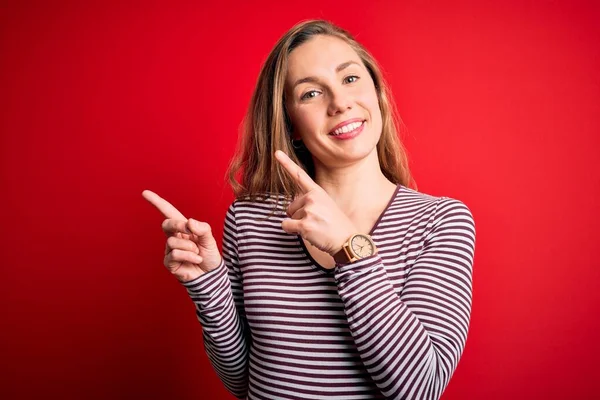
332 102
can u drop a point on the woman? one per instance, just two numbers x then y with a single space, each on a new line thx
337 280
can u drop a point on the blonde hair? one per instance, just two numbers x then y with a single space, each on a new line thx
267 128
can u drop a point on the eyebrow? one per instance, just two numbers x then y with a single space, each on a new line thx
313 79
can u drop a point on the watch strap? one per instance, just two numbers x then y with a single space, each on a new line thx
342 256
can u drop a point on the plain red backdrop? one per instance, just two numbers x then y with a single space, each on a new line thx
501 102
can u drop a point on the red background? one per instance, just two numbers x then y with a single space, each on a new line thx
501 102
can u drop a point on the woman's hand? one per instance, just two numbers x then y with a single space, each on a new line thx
191 249
314 215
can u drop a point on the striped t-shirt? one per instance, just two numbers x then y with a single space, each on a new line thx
277 325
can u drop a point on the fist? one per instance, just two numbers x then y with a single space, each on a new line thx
313 214
191 249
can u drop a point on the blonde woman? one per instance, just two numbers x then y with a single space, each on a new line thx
337 280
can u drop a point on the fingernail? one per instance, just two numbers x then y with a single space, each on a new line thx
191 223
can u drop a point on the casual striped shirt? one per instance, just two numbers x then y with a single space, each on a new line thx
277 325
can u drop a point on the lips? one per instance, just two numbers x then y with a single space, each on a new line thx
346 126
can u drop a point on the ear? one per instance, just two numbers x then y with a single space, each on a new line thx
294 135
288 122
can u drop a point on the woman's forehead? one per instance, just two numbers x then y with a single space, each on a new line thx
321 54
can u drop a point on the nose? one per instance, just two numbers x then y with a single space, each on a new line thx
340 102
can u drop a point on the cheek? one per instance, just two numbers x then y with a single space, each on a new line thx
372 103
368 97
307 121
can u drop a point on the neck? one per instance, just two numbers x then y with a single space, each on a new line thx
356 186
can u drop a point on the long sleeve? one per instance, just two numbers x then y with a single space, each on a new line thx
411 343
218 298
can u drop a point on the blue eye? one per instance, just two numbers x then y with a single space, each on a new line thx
350 77
306 95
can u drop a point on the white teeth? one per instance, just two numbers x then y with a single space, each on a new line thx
347 128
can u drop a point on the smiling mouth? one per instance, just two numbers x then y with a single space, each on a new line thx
347 128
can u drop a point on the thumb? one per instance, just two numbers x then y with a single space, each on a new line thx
200 229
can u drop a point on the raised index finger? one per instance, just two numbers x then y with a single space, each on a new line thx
162 205
298 174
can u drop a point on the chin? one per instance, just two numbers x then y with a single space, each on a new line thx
357 154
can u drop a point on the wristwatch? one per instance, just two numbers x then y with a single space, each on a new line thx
357 247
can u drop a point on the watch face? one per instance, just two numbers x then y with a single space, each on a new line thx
362 246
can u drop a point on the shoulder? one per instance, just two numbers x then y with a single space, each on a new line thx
441 206
432 213
449 228
451 224
412 203
450 210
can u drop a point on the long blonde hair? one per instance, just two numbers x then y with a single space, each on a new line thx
267 128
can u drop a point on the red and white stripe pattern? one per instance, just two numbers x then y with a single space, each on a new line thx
279 326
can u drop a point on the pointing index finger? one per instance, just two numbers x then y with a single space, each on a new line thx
162 205
298 174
